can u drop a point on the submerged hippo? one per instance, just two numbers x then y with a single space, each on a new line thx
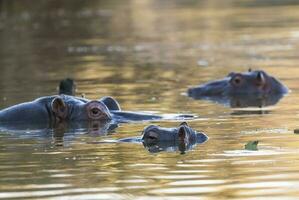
57 108
156 138
252 88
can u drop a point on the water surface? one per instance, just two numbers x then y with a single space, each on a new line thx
146 54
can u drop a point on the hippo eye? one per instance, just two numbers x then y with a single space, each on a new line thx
95 111
152 136
237 80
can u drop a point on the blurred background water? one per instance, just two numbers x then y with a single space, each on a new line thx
146 53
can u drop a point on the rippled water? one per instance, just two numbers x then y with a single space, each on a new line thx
146 53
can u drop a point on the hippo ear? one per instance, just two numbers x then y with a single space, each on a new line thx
260 77
59 108
184 124
182 133
111 103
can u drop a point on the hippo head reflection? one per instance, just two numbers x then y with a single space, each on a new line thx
246 101
92 128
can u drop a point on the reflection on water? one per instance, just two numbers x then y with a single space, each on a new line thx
170 146
244 101
146 53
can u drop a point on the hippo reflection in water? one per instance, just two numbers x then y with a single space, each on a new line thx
249 89
156 138
57 108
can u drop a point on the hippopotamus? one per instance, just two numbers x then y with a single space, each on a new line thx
67 86
155 138
248 89
57 108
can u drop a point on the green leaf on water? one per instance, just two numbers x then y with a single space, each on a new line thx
252 145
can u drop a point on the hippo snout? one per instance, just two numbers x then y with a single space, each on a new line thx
195 91
190 92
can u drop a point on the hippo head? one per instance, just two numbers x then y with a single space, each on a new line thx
68 108
249 89
248 83
156 138
254 82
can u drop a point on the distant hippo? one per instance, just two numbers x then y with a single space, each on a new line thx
57 108
156 138
252 88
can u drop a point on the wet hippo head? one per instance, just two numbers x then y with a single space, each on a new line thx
254 82
154 134
156 138
251 83
76 110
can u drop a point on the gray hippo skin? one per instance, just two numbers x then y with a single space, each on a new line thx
120 116
249 89
181 138
57 108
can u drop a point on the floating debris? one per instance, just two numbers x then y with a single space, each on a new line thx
252 145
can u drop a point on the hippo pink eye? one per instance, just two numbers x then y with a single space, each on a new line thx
96 111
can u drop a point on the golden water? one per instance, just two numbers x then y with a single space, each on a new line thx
146 53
